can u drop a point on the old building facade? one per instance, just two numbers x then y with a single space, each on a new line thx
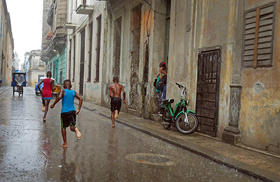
100 47
228 60
225 52
138 40
6 45
54 38
86 28
34 67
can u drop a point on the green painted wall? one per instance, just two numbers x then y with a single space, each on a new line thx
57 65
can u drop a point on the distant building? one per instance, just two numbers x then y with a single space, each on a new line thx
34 67
16 62
6 45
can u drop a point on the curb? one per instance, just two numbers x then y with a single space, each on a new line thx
240 167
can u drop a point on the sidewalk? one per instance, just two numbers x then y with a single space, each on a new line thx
259 165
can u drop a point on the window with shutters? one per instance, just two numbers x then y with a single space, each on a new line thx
258 36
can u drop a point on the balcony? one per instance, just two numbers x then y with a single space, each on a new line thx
83 8
70 26
59 39
56 44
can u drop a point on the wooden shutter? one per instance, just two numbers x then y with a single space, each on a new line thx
258 36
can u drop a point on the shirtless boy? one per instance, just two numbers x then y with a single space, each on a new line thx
115 91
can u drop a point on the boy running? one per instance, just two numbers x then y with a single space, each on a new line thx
68 112
46 92
115 91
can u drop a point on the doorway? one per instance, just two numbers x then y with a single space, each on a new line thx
207 95
82 62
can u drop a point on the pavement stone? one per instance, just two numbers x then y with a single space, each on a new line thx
257 164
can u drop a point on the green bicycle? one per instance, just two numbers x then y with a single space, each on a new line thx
185 120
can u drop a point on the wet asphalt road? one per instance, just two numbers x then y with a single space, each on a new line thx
31 150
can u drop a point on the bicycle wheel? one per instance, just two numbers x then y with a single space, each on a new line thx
187 125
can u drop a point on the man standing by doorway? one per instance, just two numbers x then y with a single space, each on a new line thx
115 91
160 84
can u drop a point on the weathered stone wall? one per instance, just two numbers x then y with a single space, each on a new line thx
8 60
260 113
205 25
151 53
2 24
6 45
201 25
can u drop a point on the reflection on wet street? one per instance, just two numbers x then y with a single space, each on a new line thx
31 150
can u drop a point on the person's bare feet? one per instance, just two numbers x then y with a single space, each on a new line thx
113 125
44 120
64 145
78 133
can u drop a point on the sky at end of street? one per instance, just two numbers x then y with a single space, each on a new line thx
26 19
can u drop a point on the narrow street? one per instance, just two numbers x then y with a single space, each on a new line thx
31 150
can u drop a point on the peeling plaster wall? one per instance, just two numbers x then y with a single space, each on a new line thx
151 24
205 24
6 45
8 60
260 105
195 26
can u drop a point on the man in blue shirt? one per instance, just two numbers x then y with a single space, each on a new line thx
68 111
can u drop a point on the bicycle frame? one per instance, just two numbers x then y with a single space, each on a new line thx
182 103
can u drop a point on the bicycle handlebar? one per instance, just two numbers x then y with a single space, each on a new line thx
180 86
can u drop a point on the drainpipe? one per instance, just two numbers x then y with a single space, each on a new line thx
231 133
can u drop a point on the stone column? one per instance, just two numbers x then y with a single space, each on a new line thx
231 133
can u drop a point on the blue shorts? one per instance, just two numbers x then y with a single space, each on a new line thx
47 98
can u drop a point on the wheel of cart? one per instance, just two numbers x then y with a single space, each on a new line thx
20 90
18 82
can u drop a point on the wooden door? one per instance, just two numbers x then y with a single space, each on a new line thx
207 100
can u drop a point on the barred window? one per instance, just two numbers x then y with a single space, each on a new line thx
258 36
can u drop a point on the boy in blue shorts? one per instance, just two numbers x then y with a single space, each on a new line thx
68 112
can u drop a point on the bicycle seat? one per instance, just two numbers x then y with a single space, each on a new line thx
168 101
